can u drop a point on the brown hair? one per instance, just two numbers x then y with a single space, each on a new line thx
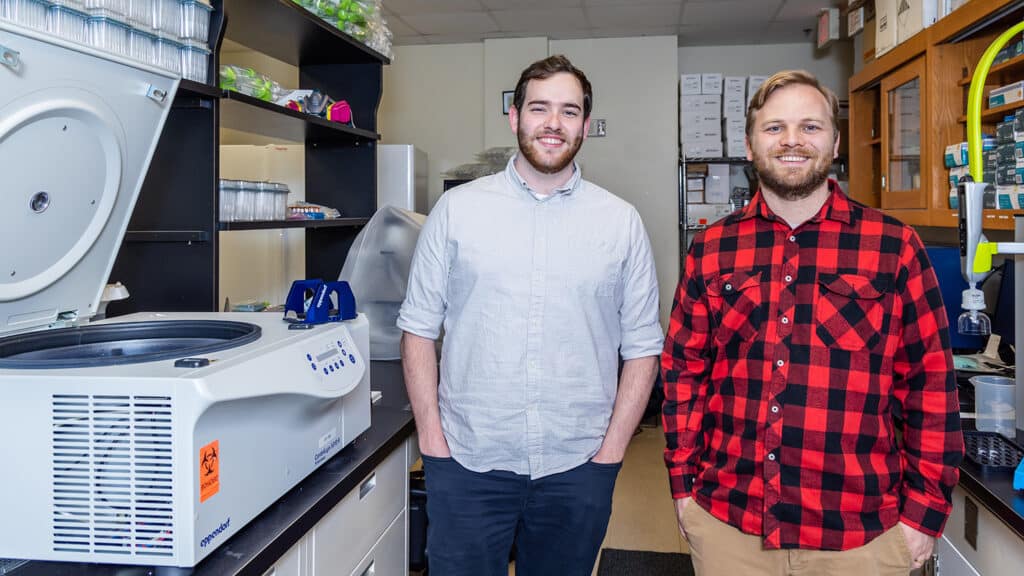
546 68
786 78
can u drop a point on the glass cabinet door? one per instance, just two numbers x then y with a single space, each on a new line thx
902 103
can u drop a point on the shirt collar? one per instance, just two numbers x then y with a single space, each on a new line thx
519 183
837 206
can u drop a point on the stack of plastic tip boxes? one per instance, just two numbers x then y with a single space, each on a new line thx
169 34
242 200
1003 165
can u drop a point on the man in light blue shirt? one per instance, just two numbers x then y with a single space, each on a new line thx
542 281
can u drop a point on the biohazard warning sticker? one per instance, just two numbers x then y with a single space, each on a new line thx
209 470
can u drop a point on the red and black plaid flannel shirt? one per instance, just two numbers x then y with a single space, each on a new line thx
795 358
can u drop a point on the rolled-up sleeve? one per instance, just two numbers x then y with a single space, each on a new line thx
422 312
638 316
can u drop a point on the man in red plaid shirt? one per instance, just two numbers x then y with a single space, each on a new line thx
811 413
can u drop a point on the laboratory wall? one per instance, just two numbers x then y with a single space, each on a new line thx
635 85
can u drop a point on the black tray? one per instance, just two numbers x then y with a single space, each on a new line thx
991 451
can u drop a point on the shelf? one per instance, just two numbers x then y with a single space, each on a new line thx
248 114
286 31
1011 64
191 87
991 219
995 114
276 224
713 160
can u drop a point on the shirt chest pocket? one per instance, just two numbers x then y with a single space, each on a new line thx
736 303
852 311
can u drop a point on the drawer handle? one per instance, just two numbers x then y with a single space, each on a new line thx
369 570
10 58
367 486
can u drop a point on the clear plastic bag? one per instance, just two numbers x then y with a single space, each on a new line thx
377 268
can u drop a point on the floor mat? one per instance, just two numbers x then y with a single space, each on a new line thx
615 562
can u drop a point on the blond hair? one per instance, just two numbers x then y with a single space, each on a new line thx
787 78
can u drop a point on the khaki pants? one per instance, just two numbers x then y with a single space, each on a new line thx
718 549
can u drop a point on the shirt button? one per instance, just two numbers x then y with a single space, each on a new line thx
789 278
785 320
771 457
780 363
775 409
728 287
792 238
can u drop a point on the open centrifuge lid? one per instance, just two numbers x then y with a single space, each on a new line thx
78 128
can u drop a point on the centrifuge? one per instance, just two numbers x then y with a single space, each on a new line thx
151 438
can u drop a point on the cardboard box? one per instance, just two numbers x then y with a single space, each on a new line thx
753 83
699 133
706 214
705 104
912 16
735 86
1006 94
711 84
868 45
735 128
716 185
689 84
736 148
703 149
734 106
885 26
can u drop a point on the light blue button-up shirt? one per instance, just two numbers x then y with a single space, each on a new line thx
538 297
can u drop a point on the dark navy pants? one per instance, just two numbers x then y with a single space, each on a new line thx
557 522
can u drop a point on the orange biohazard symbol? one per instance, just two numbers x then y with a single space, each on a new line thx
209 470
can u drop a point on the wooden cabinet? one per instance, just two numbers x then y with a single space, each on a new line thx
909 104
902 100
169 257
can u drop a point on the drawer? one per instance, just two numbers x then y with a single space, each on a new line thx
291 563
387 558
350 529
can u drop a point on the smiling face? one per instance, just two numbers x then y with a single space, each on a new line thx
792 142
550 126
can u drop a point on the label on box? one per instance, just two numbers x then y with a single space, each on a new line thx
711 84
689 84
734 107
735 86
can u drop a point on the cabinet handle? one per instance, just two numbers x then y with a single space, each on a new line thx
369 569
883 181
367 486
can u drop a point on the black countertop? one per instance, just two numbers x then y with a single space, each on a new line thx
994 490
260 543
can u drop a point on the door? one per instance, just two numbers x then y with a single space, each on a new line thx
903 141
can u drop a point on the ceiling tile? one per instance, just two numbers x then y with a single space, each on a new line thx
643 15
631 2
800 9
404 7
398 27
453 38
410 40
462 23
517 4
551 19
727 14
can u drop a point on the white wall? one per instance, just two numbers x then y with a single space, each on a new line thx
635 90
635 85
434 99
504 60
833 66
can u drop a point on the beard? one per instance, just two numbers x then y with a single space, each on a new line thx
544 163
794 183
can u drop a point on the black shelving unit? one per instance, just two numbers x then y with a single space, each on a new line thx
308 224
169 258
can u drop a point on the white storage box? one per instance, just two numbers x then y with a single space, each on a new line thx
689 84
711 84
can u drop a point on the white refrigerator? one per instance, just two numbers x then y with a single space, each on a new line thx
402 177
